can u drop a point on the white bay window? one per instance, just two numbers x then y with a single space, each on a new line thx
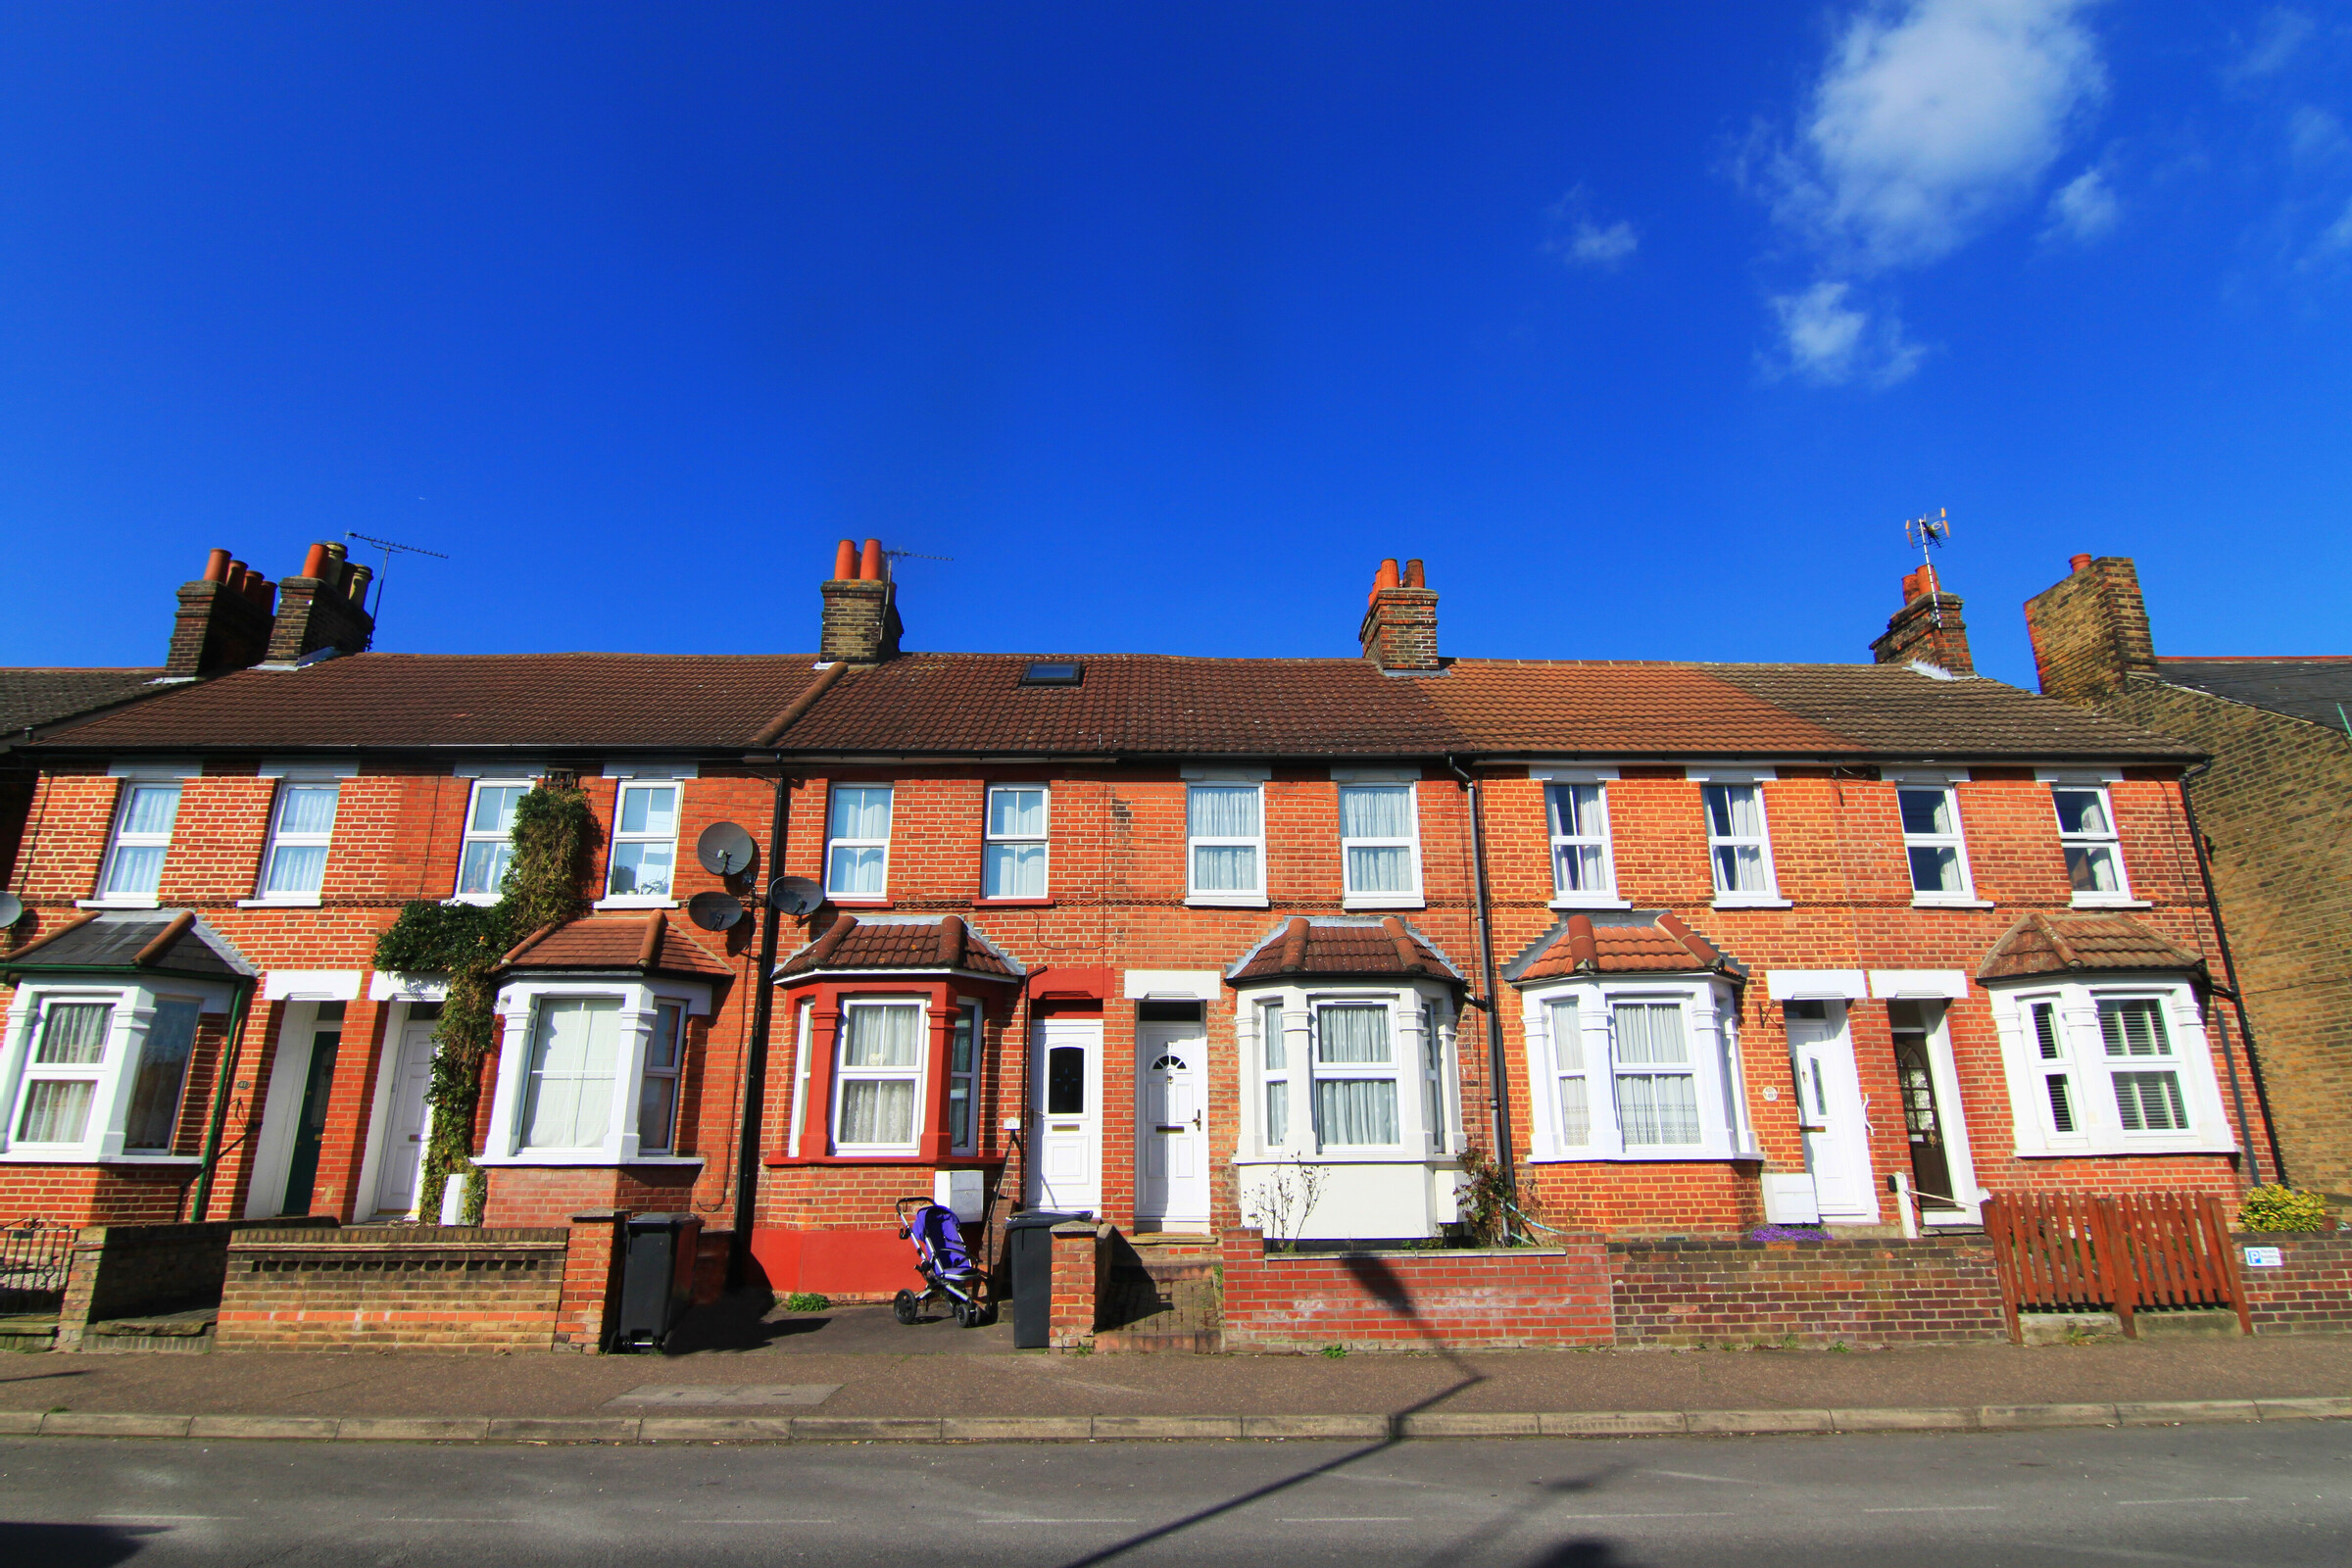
100 1072
590 1069
1619 1069
2109 1068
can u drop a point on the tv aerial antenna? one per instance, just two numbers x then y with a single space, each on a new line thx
1925 534
389 549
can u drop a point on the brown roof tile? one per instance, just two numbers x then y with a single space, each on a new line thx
1605 706
648 942
30 696
902 942
1638 941
2063 944
1895 709
1331 947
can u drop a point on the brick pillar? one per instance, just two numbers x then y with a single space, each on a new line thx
592 1265
2090 630
1081 1258
82 1286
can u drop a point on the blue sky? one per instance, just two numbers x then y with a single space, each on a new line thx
1645 325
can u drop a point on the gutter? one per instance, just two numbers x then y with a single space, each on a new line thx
1497 1066
2245 1030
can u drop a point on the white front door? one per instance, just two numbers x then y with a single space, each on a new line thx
1066 1098
1828 1094
1172 1167
405 1120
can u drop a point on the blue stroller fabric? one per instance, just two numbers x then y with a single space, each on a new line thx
941 1239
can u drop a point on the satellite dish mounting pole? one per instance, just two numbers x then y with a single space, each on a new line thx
1925 531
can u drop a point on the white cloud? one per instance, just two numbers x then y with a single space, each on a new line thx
2337 237
1932 119
1828 340
2274 44
2083 209
1580 238
2315 138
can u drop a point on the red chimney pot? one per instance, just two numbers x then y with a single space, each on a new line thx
2077 562
870 566
844 561
1386 576
216 566
314 564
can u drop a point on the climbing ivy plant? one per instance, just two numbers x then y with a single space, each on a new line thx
554 831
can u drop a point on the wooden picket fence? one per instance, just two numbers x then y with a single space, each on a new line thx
2074 1251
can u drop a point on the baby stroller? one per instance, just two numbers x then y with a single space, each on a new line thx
947 1268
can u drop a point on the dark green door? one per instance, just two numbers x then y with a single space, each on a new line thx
302 1171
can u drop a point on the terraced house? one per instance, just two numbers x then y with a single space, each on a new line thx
1178 942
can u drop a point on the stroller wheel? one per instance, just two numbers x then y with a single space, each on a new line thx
967 1314
903 1307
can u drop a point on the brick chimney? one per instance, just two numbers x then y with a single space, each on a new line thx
1400 632
2090 630
1928 630
321 607
223 620
862 609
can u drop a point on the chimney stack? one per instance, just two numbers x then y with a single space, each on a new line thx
2090 630
862 611
318 609
1928 630
223 624
1399 630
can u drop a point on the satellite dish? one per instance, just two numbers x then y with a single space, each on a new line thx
713 912
796 895
724 849
11 909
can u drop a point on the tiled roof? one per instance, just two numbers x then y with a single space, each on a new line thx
162 941
902 942
1325 946
605 941
1613 942
2062 944
2316 689
1126 703
1603 706
632 701
1893 708
29 697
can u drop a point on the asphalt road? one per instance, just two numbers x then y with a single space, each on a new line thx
2221 1494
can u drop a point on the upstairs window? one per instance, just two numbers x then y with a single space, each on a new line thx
645 841
857 842
1379 844
1014 858
1736 843
134 861
2095 855
1225 843
1932 845
489 842
1582 866
301 826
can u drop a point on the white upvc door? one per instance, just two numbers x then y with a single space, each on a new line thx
1828 1093
1171 1174
406 1121
1067 1105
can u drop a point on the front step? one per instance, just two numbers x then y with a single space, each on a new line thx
168 1331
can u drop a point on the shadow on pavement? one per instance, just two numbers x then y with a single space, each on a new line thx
72 1545
749 1322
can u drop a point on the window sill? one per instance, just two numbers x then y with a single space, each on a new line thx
633 902
928 1161
1012 903
295 900
1579 901
592 1158
2108 900
1695 1154
478 900
1211 901
1946 901
75 1155
2192 1144
1750 901
118 903
839 901
1383 900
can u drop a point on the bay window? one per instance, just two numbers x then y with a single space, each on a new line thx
1013 856
658 1096
98 1072
591 1071
963 1063
1380 845
1225 842
157 1083
568 1091
62 1078
1625 1070
2109 1068
1276 1065
878 1079
857 842
1355 1076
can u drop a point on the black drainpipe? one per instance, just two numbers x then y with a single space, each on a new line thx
755 1067
1499 1078
2237 1000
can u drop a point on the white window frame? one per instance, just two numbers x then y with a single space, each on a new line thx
1043 838
1948 786
113 1077
119 838
1225 898
2101 784
841 895
2082 1060
1347 779
1769 896
804 1046
639 999
1417 1015
469 836
919 1076
673 1075
972 1015
667 900
1710 1017
280 838
1595 834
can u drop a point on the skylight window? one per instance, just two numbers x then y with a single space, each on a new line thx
1053 672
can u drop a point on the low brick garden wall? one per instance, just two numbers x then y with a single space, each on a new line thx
2311 1292
126 1271
1815 1293
1460 1299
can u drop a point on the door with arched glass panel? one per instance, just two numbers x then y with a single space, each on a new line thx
1171 1140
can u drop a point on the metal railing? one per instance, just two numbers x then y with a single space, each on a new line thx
34 1257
